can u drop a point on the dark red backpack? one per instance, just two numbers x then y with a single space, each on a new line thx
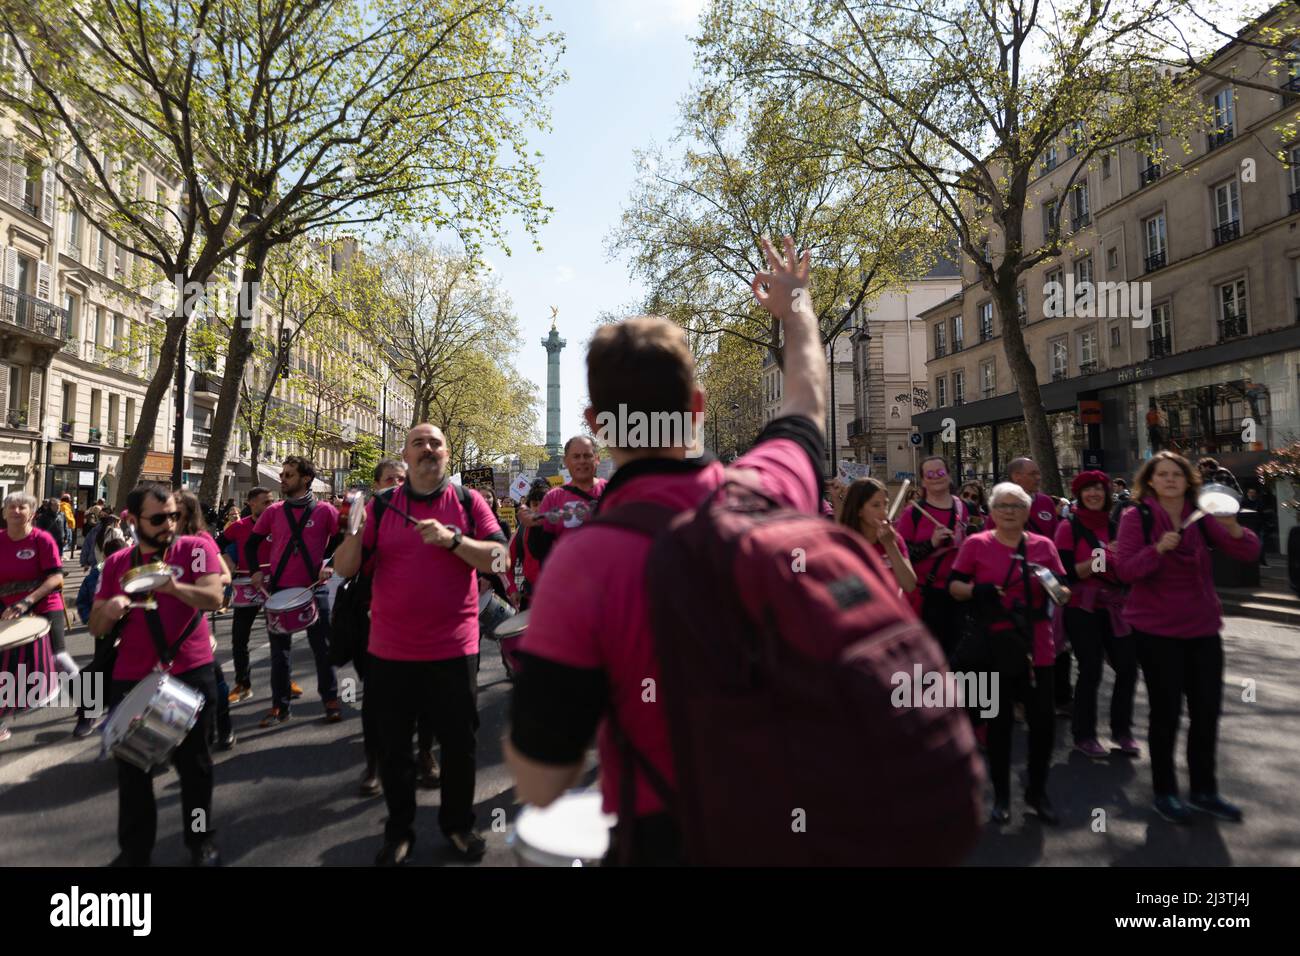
778 634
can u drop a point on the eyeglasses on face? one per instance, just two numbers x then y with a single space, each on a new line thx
1009 506
162 518
941 473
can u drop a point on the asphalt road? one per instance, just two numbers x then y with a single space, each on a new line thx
287 796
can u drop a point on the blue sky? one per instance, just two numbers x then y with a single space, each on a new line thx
629 63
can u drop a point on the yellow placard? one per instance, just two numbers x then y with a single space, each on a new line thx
555 480
506 515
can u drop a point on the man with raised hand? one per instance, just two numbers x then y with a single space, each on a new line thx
429 539
589 641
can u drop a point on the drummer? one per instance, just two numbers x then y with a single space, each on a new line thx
932 529
302 533
192 523
31 581
181 603
241 627
423 653
552 517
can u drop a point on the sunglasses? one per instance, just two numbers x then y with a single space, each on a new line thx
162 518
941 473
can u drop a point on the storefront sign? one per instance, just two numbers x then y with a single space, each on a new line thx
59 453
1089 412
12 473
156 465
1094 459
83 456
85 479
1135 373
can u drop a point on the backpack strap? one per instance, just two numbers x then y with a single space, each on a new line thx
579 492
467 506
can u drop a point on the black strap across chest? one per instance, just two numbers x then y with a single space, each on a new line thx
296 543
153 619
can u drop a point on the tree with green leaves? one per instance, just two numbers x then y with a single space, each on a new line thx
964 98
487 410
280 117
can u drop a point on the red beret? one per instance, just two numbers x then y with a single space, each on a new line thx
1085 478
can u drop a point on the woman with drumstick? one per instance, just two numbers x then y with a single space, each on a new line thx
1176 619
933 528
864 509
31 582
996 569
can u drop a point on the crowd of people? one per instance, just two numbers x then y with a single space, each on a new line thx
1008 581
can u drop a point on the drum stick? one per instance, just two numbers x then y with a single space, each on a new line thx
898 499
937 523
1192 518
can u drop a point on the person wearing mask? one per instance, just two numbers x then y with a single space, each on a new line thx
1176 618
423 655
179 622
977 508
235 538
933 529
865 510
1044 517
993 568
1093 620
558 511
303 533
31 582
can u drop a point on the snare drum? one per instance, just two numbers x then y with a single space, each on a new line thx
152 720
145 578
290 611
492 611
25 650
508 634
244 594
572 831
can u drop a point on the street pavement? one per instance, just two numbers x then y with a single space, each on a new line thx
287 796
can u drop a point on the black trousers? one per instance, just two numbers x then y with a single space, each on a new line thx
399 692
241 629
1039 714
1063 692
1174 667
137 813
1094 640
370 735
945 617
101 663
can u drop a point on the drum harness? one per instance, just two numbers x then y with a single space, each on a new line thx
166 653
296 543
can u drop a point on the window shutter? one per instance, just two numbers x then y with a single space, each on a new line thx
43 281
6 148
34 393
4 393
48 186
11 268
17 177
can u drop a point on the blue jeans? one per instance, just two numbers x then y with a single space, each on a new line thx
327 684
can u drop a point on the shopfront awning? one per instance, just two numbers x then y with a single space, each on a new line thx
270 474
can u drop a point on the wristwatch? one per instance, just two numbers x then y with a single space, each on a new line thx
24 605
455 541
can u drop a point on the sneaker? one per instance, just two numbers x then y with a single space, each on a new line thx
274 717
1215 806
333 711
294 691
1091 748
85 726
370 785
240 692
227 742
468 845
1042 805
205 854
427 773
394 853
1172 809
1127 746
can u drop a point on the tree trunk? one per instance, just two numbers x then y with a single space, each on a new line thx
237 356
1025 376
255 441
142 438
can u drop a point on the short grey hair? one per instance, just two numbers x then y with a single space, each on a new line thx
21 497
1009 489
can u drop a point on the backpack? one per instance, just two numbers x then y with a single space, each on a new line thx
777 676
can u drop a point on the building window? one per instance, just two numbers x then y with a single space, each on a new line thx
1082 274
1222 130
958 387
1156 250
1232 309
986 321
1051 218
1059 350
1149 169
1293 178
1087 352
957 336
1105 166
73 239
1160 344
1112 259
940 392
1076 140
1049 158
1227 212
1080 210
1114 336
988 380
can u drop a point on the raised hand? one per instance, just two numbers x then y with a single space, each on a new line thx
783 289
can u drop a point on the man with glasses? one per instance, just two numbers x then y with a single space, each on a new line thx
302 533
180 625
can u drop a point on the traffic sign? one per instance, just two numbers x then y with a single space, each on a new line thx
915 439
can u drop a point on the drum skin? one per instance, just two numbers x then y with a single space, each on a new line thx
25 649
290 611
572 831
152 720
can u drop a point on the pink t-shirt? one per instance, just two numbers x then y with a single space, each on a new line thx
914 528
321 526
591 609
195 557
424 602
988 561
558 497
1044 515
238 534
24 566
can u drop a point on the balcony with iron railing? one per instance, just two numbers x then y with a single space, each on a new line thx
1291 85
67 429
987 392
1220 138
1227 232
95 436
956 346
110 438
1158 346
1060 374
940 351
17 418
986 331
1232 326
855 428
1157 260
1089 368
202 437
206 383
19 310
1149 174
